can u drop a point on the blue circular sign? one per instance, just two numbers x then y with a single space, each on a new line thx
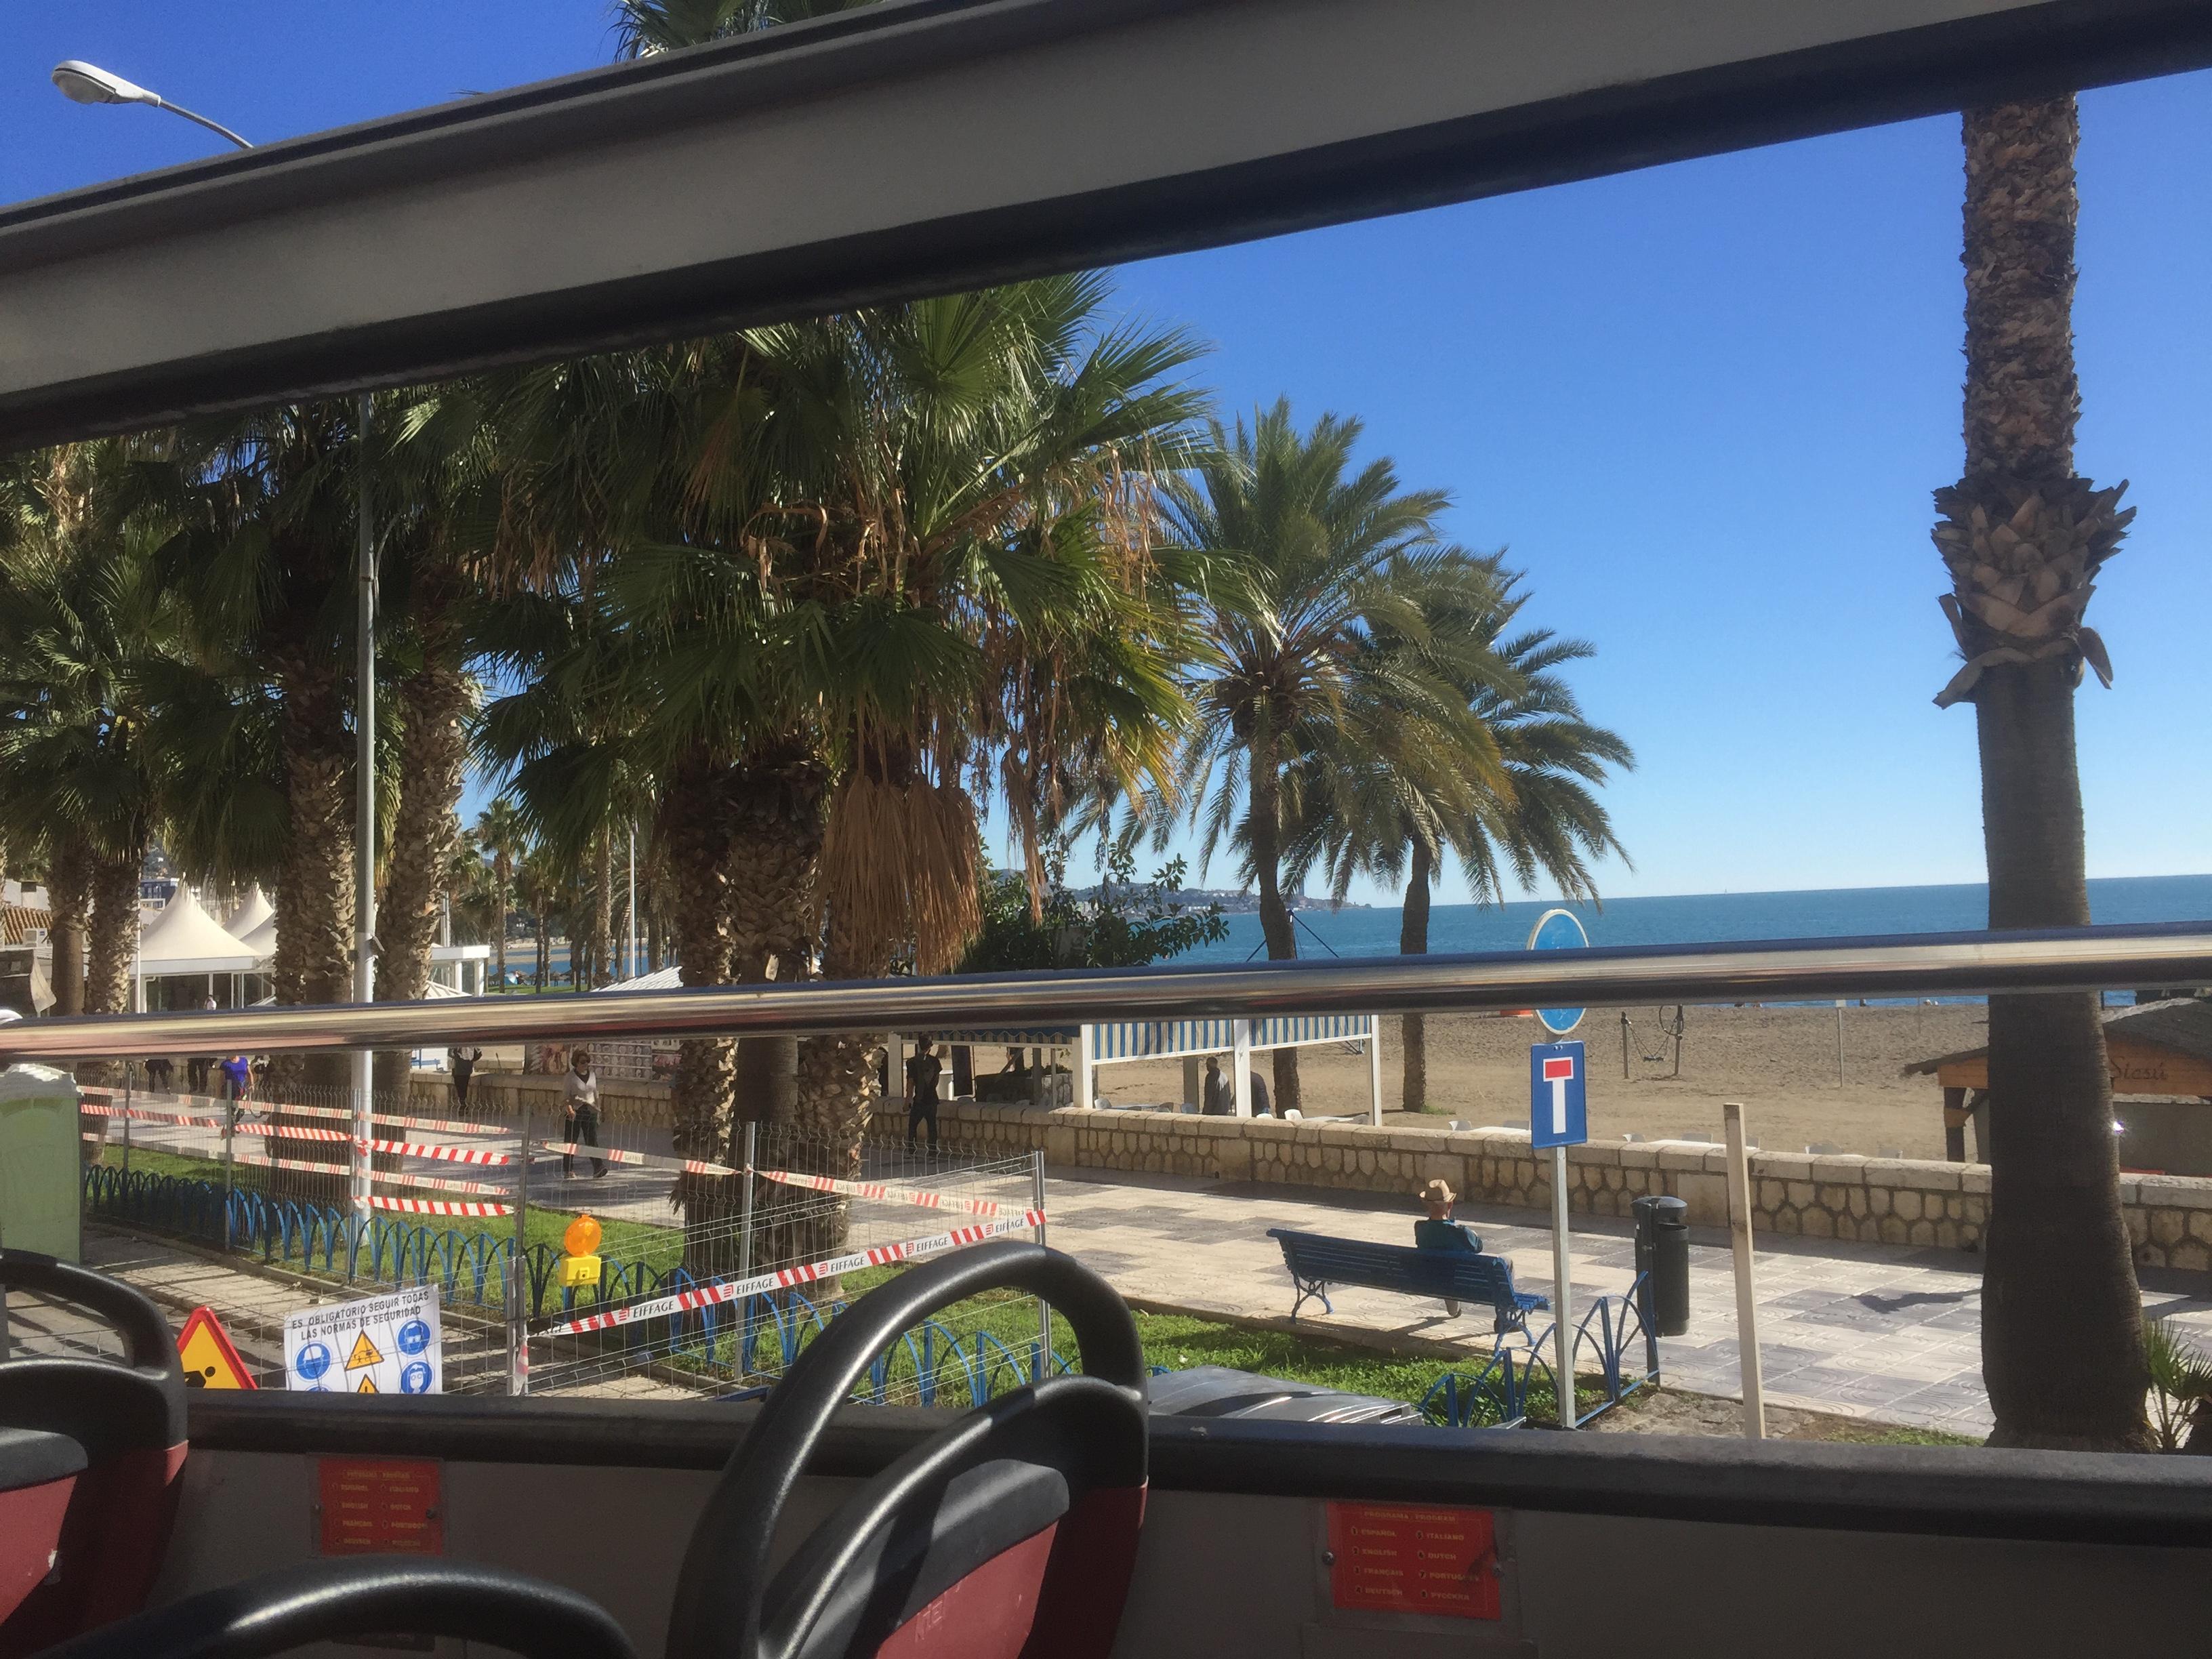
414 1336
314 1359
414 1379
1559 930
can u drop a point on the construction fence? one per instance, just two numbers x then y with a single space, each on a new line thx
706 1278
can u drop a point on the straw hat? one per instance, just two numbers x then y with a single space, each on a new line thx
1437 1192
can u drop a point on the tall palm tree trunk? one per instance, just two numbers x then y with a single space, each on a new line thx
837 1090
1275 924
695 830
69 895
424 832
114 932
315 908
774 856
2022 535
502 873
1413 941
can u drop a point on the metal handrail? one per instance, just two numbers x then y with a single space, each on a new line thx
1898 965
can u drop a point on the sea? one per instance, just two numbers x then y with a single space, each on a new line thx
1705 918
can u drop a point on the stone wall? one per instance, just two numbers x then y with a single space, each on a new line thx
501 1094
1871 1200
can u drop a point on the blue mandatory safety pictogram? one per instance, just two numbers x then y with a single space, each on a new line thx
314 1359
414 1379
414 1336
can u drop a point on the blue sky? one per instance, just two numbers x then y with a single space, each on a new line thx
1701 406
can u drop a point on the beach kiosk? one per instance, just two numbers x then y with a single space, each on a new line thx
2160 1054
1191 1040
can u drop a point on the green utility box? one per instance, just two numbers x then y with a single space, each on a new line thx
40 1168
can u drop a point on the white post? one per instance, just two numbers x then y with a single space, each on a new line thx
1746 1306
629 950
1194 1083
1374 1070
1563 1300
1086 1084
1839 1039
364 969
1240 1063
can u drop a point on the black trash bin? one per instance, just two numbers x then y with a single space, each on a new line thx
1662 1259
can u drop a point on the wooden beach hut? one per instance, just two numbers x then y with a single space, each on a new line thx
2161 1061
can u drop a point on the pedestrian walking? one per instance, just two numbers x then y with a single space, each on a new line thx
237 1078
921 1075
1216 1099
1259 1108
580 1109
464 1064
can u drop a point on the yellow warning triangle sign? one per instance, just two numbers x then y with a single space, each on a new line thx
369 1386
364 1353
204 1353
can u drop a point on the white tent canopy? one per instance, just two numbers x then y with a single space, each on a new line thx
185 939
262 941
254 910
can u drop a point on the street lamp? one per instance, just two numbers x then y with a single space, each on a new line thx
88 84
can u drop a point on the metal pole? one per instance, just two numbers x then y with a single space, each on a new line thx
1746 1306
229 1128
1044 1307
1563 1299
1374 1070
364 945
1624 1045
1839 1039
126 1117
629 949
745 1202
518 1294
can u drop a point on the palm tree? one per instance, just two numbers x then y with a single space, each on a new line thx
87 629
500 833
2022 538
1363 812
1338 569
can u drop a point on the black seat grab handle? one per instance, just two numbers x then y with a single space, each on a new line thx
148 1343
333 1601
731 1545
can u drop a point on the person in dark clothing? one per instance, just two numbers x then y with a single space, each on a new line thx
580 1109
921 1075
464 1064
1259 1108
161 1073
1440 1233
1216 1098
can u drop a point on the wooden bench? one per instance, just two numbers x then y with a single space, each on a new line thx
1316 1261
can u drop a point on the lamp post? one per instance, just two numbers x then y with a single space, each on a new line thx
88 84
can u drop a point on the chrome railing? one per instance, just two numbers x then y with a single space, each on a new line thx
1908 965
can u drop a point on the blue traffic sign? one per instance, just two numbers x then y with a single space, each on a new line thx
1558 1104
314 1359
1559 930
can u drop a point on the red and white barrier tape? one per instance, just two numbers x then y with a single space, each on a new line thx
436 1125
433 1207
877 1189
649 1160
150 1114
731 1290
430 1149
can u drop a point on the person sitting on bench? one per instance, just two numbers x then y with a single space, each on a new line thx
1440 1232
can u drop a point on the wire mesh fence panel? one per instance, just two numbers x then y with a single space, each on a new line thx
714 1283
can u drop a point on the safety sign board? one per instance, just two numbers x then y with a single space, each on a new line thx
384 1345
1558 1104
204 1350
379 1506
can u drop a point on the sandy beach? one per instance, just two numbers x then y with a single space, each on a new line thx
1780 1062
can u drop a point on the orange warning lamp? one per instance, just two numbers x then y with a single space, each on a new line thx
579 1268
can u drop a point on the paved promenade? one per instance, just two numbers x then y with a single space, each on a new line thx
1888 1333
1873 1331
